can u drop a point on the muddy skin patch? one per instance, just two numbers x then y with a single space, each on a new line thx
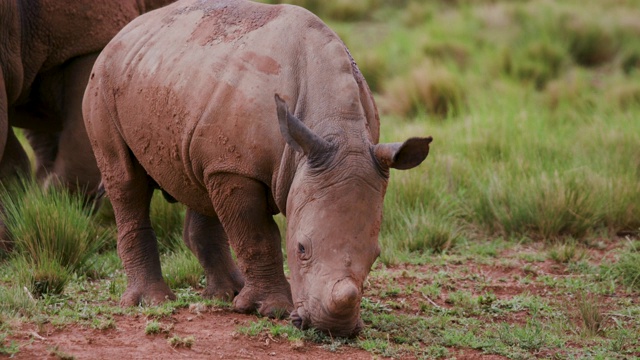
264 64
224 21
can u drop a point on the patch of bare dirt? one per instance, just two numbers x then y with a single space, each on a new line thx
214 333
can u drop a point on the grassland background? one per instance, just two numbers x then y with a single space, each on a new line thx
533 106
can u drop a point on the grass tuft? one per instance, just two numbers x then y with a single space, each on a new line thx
154 327
15 300
9 348
625 96
177 341
181 269
566 252
537 62
531 337
48 278
591 315
53 233
374 69
427 88
627 269
590 43
546 207
456 52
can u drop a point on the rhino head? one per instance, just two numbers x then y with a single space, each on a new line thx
334 211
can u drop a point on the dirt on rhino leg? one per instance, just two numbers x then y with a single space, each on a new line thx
130 191
206 238
137 245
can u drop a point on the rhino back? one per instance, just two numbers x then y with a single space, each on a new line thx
193 84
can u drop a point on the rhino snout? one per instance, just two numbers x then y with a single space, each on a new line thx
338 314
333 326
345 297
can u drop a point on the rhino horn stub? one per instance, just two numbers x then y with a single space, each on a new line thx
296 133
403 156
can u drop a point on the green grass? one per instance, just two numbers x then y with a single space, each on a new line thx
567 252
592 316
155 327
561 322
177 341
9 348
167 220
181 269
53 235
627 268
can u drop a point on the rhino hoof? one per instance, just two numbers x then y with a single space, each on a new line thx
270 305
150 295
276 311
220 294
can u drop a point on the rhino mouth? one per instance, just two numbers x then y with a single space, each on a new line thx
297 320
333 327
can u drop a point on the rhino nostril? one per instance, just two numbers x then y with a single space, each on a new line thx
345 295
358 328
296 319
297 322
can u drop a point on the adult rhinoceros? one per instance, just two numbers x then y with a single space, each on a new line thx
240 111
47 50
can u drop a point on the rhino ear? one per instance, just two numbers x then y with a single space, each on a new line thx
403 156
296 133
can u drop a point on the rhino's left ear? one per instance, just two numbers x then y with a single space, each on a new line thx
403 156
296 133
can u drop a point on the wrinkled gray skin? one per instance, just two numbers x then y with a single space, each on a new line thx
240 111
47 50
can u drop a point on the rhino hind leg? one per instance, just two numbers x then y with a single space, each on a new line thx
130 191
207 240
130 197
242 207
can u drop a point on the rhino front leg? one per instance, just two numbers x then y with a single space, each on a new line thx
206 238
242 206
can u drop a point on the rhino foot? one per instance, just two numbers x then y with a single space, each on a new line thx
271 304
223 291
147 294
224 284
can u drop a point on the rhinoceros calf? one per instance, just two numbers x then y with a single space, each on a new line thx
240 111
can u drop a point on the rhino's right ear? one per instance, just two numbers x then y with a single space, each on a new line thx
296 133
403 156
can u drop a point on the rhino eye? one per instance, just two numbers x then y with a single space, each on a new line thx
304 250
